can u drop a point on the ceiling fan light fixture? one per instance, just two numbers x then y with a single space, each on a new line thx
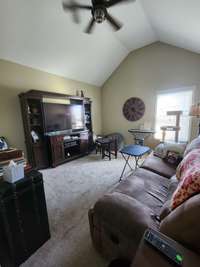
99 15
98 9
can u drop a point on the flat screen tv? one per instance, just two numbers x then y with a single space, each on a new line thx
57 117
60 117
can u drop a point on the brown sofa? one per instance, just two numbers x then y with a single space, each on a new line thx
119 219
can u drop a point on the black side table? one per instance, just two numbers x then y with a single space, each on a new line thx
105 146
23 219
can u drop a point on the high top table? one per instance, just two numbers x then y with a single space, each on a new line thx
140 135
136 151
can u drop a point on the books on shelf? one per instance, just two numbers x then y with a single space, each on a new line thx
10 154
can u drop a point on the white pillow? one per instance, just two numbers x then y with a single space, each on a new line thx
162 149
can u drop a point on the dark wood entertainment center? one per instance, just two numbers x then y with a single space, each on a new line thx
51 149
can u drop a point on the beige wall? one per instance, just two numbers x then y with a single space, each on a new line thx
15 79
142 74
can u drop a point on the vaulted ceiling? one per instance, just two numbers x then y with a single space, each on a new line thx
38 34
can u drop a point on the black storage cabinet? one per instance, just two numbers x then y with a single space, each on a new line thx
24 223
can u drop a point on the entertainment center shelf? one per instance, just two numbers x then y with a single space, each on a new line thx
68 147
57 127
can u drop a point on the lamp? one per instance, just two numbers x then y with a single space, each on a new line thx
195 112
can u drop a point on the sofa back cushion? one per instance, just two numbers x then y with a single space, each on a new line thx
189 175
182 224
195 144
166 208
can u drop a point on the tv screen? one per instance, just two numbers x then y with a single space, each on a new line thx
77 117
57 117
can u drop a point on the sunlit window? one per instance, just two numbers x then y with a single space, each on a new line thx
180 100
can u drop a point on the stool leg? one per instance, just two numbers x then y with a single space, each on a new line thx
136 162
109 152
116 149
96 148
103 151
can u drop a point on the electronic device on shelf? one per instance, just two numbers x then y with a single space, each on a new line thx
162 246
3 144
66 137
70 144
35 136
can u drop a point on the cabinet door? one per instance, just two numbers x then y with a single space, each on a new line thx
84 141
57 151
40 155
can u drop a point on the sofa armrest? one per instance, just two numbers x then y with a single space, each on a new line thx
147 256
126 214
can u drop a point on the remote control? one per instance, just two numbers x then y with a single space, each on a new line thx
165 248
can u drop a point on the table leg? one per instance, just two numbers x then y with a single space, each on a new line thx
136 162
127 163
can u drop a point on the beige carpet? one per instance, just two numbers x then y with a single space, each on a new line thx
71 189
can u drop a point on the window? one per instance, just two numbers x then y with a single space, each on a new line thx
173 101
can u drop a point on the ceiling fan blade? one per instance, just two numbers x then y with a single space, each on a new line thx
90 26
72 5
109 3
114 22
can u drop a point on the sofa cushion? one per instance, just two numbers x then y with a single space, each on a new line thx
158 166
182 224
195 144
147 187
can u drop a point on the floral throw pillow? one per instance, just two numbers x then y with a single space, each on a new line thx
188 161
189 175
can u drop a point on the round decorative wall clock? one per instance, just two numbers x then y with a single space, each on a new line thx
134 109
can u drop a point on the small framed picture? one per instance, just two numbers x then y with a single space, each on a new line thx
173 158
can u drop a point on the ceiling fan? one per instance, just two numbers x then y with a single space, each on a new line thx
98 10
